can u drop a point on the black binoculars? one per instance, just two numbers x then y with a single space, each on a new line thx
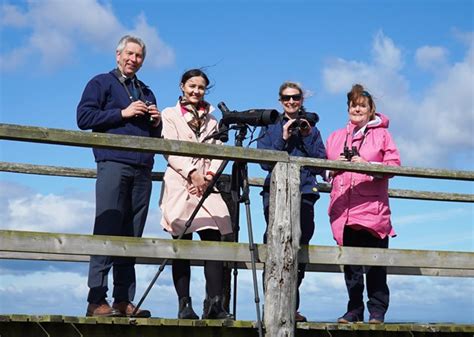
151 120
349 153
303 122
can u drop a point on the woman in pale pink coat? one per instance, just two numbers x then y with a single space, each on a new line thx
184 182
359 209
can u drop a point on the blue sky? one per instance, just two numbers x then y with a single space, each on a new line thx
416 58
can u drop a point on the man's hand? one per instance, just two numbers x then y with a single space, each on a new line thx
155 114
135 109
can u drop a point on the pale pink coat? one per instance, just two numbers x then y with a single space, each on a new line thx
360 200
176 202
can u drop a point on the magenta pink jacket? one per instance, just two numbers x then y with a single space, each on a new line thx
360 200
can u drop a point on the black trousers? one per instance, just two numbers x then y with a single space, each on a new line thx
122 198
377 288
213 270
307 230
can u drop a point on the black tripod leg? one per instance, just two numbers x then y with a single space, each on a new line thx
252 246
206 193
253 256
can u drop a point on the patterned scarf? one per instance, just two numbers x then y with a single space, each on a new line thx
194 115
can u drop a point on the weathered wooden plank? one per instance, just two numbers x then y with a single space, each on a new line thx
310 267
387 257
201 325
144 144
419 172
54 243
141 144
60 171
158 176
281 264
75 244
428 195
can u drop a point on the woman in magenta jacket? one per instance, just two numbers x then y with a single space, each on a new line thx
359 209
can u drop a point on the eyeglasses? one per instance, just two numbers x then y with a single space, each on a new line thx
286 98
365 93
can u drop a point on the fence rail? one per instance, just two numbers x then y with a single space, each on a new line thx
174 147
61 171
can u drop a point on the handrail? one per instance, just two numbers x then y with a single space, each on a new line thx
25 243
174 147
158 176
135 143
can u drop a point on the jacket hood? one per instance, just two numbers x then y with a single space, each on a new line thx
380 121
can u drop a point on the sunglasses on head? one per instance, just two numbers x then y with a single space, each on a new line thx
286 98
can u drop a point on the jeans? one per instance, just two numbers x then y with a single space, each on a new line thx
122 199
377 288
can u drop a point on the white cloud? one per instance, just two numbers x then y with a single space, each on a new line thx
11 16
380 77
50 213
446 298
161 54
61 27
429 57
433 130
24 209
385 53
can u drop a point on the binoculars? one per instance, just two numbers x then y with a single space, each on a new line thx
349 153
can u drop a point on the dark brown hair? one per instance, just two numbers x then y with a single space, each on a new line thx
194 73
357 94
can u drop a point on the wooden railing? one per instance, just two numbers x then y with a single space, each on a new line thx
282 251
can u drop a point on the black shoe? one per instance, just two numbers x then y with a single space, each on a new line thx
205 307
351 317
213 308
186 309
376 318
299 317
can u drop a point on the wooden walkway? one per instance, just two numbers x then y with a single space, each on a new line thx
71 326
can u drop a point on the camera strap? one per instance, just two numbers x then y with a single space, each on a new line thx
366 129
133 81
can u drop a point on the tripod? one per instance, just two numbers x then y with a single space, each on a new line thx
239 181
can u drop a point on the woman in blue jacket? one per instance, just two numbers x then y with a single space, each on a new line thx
296 133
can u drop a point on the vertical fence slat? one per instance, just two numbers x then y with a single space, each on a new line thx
282 251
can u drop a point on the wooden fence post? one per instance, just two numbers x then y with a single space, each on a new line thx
281 265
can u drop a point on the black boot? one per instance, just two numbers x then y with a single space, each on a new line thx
205 306
214 309
186 309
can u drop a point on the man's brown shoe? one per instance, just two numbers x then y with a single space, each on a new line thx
299 317
102 309
127 308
